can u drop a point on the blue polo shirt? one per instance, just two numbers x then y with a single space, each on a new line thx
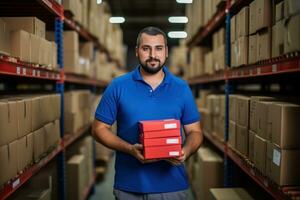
129 99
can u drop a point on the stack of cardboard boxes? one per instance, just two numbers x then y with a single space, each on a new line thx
24 38
77 110
30 128
90 15
80 168
265 132
160 138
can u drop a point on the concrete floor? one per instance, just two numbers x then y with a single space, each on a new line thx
104 190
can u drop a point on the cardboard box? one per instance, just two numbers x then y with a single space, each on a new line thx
264 45
52 135
243 105
263 12
283 120
243 22
262 119
162 151
71 61
243 51
232 107
87 50
260 152
73 122
9 161
279 12
71 41
75 174
234 54
24 109
20 45
252 49
208 63
254 110
242 139
278 39
269 159
38 143
25 151
209 173
291 7
29 24
35 48
37 113
147 142
229 193
4 38
232 134
292 32
8 121
158 125
251 146
285 166
252 17
43 55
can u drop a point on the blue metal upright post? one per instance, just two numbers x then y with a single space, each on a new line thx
227 162
60 89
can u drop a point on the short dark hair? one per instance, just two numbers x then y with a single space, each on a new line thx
151 30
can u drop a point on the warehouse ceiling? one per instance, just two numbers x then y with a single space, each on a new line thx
141 13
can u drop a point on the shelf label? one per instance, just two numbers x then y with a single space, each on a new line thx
24 71
38 73
47 74
276 157
258 70
18 70
16 183
274 68
33 72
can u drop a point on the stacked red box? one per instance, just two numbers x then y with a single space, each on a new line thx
161 138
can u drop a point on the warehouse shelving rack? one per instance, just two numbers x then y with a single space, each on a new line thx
53 14
286 64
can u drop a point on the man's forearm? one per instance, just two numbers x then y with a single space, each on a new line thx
110 140
192 143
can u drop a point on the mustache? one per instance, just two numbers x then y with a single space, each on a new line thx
152 59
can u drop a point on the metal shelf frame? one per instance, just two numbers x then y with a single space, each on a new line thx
13 67
286 64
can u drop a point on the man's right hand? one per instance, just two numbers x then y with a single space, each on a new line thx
136 151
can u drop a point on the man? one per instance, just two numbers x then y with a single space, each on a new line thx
150 92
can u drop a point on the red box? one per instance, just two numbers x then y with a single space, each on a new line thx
167 151
147 142
162 133
158 125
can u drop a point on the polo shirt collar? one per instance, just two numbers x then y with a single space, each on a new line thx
138 77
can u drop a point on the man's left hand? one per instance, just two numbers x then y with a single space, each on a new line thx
177 160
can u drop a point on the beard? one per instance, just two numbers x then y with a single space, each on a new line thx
148 68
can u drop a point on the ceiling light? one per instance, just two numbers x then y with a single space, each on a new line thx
182 19
99 1
177 34
184 1
116 20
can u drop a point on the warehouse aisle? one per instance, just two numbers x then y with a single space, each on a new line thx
104 190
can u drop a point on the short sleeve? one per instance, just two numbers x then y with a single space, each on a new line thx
190 112
107 108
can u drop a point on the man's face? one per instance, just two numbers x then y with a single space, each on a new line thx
152 53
